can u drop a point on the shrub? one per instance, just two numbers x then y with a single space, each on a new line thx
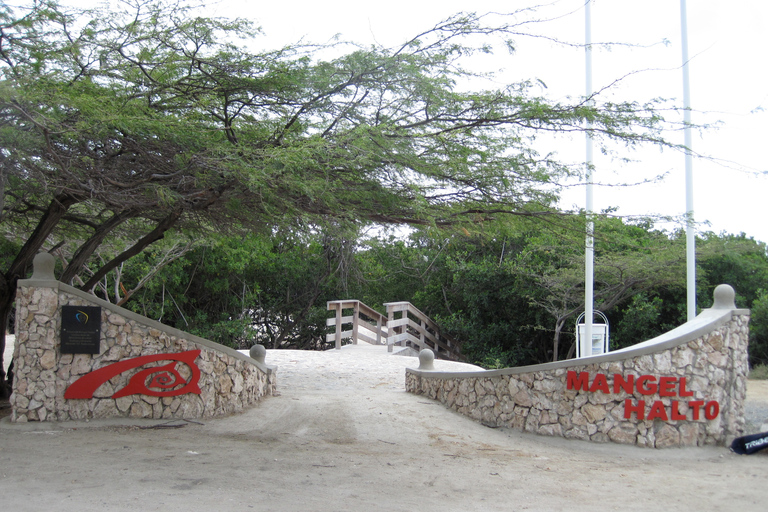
759 372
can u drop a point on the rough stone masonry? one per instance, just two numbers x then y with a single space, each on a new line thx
686 388
225 380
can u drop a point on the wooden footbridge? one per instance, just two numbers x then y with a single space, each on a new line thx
402 326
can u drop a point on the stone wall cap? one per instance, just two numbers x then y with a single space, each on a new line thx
43 265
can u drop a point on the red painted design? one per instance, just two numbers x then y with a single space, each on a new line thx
163 377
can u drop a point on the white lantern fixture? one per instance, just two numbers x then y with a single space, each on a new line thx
600 337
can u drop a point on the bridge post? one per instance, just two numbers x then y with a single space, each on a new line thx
355 322
338 326
422 334
378 330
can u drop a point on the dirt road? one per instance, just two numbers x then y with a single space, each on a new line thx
344 436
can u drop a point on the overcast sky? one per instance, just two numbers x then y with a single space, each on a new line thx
729 84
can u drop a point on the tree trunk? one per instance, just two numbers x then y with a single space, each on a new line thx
50 219
556 340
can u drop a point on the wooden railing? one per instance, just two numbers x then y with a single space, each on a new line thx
364 323
416 330
411 328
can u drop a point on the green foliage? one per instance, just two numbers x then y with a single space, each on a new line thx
758 330
126 134
480 285
151 113
508 289
268 289
759 372
733 259
638 321
492 357
741 262
7 249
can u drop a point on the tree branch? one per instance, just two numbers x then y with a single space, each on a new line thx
50 219
86 249
153 236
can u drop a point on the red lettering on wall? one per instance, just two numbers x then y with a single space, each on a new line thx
683 390
695 406
667 386
658 411
623 384
649 389
638 409
711 410
600 383
646 385
577 381
676 416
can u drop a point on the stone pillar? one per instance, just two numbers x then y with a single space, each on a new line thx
37 325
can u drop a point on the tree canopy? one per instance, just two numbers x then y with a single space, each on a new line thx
509 291
117 127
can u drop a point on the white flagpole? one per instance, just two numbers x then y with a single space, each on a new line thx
589 269
690 229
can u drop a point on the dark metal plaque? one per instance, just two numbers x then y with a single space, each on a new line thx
80 330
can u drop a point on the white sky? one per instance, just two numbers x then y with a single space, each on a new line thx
729 84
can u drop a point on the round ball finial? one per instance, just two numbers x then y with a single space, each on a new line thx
426 359
259 353
725 297
43 266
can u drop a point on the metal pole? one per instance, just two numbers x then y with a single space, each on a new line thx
589 269
690 228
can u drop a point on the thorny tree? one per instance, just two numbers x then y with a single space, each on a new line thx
123 125
631 258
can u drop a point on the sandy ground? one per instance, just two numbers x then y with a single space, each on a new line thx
344 436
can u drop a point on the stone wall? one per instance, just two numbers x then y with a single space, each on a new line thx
685 388
172 379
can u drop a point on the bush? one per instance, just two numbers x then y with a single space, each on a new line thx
759 372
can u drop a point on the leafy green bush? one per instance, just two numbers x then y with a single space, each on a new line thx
759 372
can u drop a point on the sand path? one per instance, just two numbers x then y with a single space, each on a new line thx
344 436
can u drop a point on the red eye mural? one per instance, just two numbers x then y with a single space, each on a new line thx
155 381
